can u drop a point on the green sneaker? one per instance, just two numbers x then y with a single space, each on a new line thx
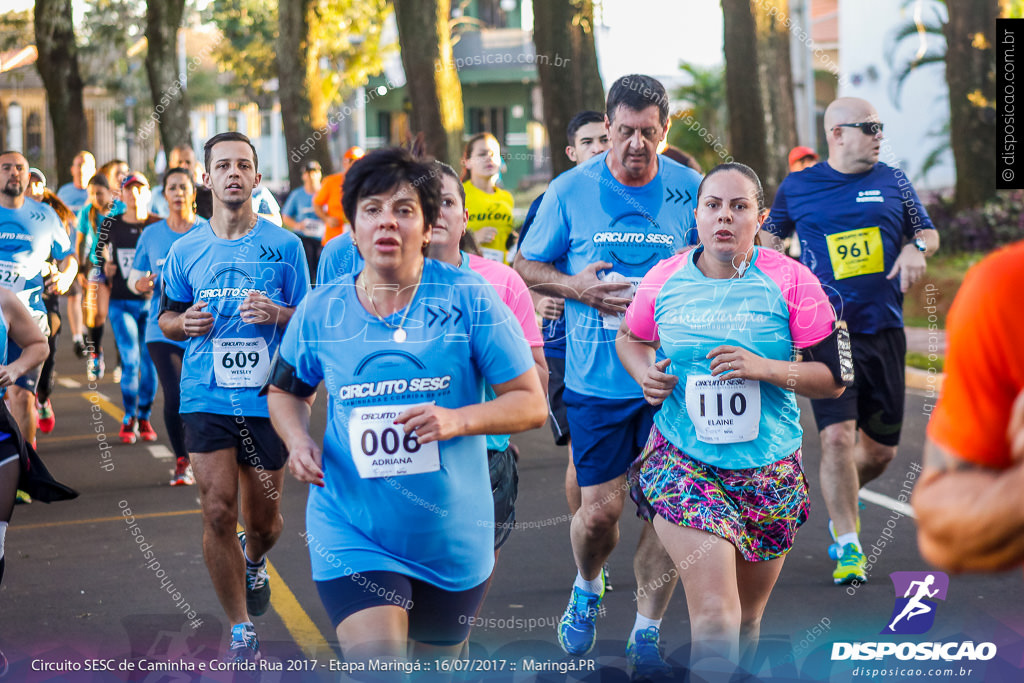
850 566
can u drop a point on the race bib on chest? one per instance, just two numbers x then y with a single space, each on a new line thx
240 363
493 254
380 448
612 321
11 276
125 259
856 252
723 410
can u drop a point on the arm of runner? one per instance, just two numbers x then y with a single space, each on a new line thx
258 309
969 518
585 286
810 378
66 275
542 367
193 322
911 264
519 406
638 357
141 282
290 416
23 331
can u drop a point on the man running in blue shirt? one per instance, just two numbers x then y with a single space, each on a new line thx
865 235
230 288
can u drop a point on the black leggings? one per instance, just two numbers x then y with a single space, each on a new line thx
10 469
44 387
167 358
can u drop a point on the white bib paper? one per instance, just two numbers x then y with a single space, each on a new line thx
241 363
380 448
125 259
11 276
723 410
613 320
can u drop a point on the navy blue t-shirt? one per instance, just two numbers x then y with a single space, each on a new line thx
851 229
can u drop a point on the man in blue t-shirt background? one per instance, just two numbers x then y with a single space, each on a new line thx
865 234
599 229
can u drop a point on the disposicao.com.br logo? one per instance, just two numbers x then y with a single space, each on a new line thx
914 613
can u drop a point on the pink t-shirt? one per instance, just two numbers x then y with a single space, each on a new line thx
513 293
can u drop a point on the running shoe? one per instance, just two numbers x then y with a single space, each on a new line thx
835 550
643 657
183 473
245 647
257 583
577 630
94 367
850 567
22 498
146 430
129 430
81 350
46 420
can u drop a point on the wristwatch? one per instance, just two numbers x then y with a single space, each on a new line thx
921 245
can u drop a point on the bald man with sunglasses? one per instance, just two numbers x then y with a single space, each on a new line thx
865 234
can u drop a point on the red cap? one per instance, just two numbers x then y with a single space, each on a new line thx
798 153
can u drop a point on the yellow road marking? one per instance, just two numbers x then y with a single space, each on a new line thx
97 520
302 629
72 437
108 407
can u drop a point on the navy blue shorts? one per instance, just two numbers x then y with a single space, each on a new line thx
253 438
607 434
556 399
436 616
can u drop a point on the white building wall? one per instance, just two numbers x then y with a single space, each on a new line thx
866 28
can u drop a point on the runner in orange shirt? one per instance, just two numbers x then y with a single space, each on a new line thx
968 501
327 200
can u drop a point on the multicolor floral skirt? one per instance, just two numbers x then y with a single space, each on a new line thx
758 509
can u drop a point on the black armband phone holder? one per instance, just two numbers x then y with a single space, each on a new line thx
282 375
171 305
836 353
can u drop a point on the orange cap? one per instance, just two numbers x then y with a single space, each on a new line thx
354 153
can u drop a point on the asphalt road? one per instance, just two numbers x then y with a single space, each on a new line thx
80 594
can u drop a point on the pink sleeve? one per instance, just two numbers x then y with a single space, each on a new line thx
811 316
513 293
640 314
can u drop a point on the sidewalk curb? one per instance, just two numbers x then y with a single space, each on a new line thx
925 380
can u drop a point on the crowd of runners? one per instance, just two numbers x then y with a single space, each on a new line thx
645 309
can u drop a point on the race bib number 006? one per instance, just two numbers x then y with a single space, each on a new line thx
856 252
723 410
240 363
380 448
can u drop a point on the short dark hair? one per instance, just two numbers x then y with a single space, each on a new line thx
13 151
638 92
740 168
99 180
445 169
581 119
183 171
385 169
229 137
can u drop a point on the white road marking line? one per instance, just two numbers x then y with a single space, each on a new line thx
887 502
69 383
160 452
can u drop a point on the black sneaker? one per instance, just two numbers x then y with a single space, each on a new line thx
81 350
257 583
245 647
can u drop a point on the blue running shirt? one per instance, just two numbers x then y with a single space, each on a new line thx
28 237
436 526
150 253
851 229
222 372
339 257
587 216
777 305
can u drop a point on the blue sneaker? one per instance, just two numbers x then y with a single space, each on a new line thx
643 657
577 630
835 551
245 647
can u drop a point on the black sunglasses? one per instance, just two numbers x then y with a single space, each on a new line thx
867 127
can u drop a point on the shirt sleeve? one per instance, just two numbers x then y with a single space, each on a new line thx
984 372
640 314
176 285
299 346
915 216
517 298
297 279
779 222
811 316
496 340
291 206
61 247
548 240
141 262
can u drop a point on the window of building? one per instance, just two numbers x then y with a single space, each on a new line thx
492 120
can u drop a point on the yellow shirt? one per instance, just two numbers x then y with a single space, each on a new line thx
494 210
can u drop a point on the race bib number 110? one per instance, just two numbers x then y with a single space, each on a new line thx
723 410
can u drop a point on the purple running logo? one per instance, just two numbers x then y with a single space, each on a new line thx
914 612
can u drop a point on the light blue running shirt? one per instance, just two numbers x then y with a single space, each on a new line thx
436 525
222 372
339 257
588 216
28 237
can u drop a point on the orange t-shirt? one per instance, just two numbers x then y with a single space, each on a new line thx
984 363
329 194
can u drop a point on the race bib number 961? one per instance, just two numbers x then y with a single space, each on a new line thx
380 448
856 252
723 410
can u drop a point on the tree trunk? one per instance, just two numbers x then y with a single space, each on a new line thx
58 67
570 82
433 84
167 91
971 79
303 107
759 88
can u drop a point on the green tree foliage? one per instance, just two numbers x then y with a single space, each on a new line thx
697 129
345 36
16 30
